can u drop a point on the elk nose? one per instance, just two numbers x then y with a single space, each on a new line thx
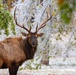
33 43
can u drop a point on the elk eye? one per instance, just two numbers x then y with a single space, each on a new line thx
29 36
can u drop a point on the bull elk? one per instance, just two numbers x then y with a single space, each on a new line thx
14 51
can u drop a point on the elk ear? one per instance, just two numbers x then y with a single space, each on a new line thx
39 35
24 34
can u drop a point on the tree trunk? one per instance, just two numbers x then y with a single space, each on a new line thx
45 55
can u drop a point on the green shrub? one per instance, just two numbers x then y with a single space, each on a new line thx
6 21
66 10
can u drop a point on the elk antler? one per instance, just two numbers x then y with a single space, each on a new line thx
15 18
43 24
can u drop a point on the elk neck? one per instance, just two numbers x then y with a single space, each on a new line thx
28 49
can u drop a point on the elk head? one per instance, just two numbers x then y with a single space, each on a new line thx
32 36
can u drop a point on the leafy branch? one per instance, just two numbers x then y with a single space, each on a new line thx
66 10
6 21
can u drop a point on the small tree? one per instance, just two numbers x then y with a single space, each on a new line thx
6 21
66 9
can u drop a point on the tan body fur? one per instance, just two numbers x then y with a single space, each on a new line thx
11 50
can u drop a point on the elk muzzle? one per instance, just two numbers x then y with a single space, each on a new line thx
33 40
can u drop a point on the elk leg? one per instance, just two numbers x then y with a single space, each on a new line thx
13 70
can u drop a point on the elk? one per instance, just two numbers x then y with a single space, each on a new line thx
14 51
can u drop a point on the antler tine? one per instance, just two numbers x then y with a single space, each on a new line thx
15 18
36 28
30 28
43 24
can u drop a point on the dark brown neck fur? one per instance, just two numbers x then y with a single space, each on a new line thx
28 49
